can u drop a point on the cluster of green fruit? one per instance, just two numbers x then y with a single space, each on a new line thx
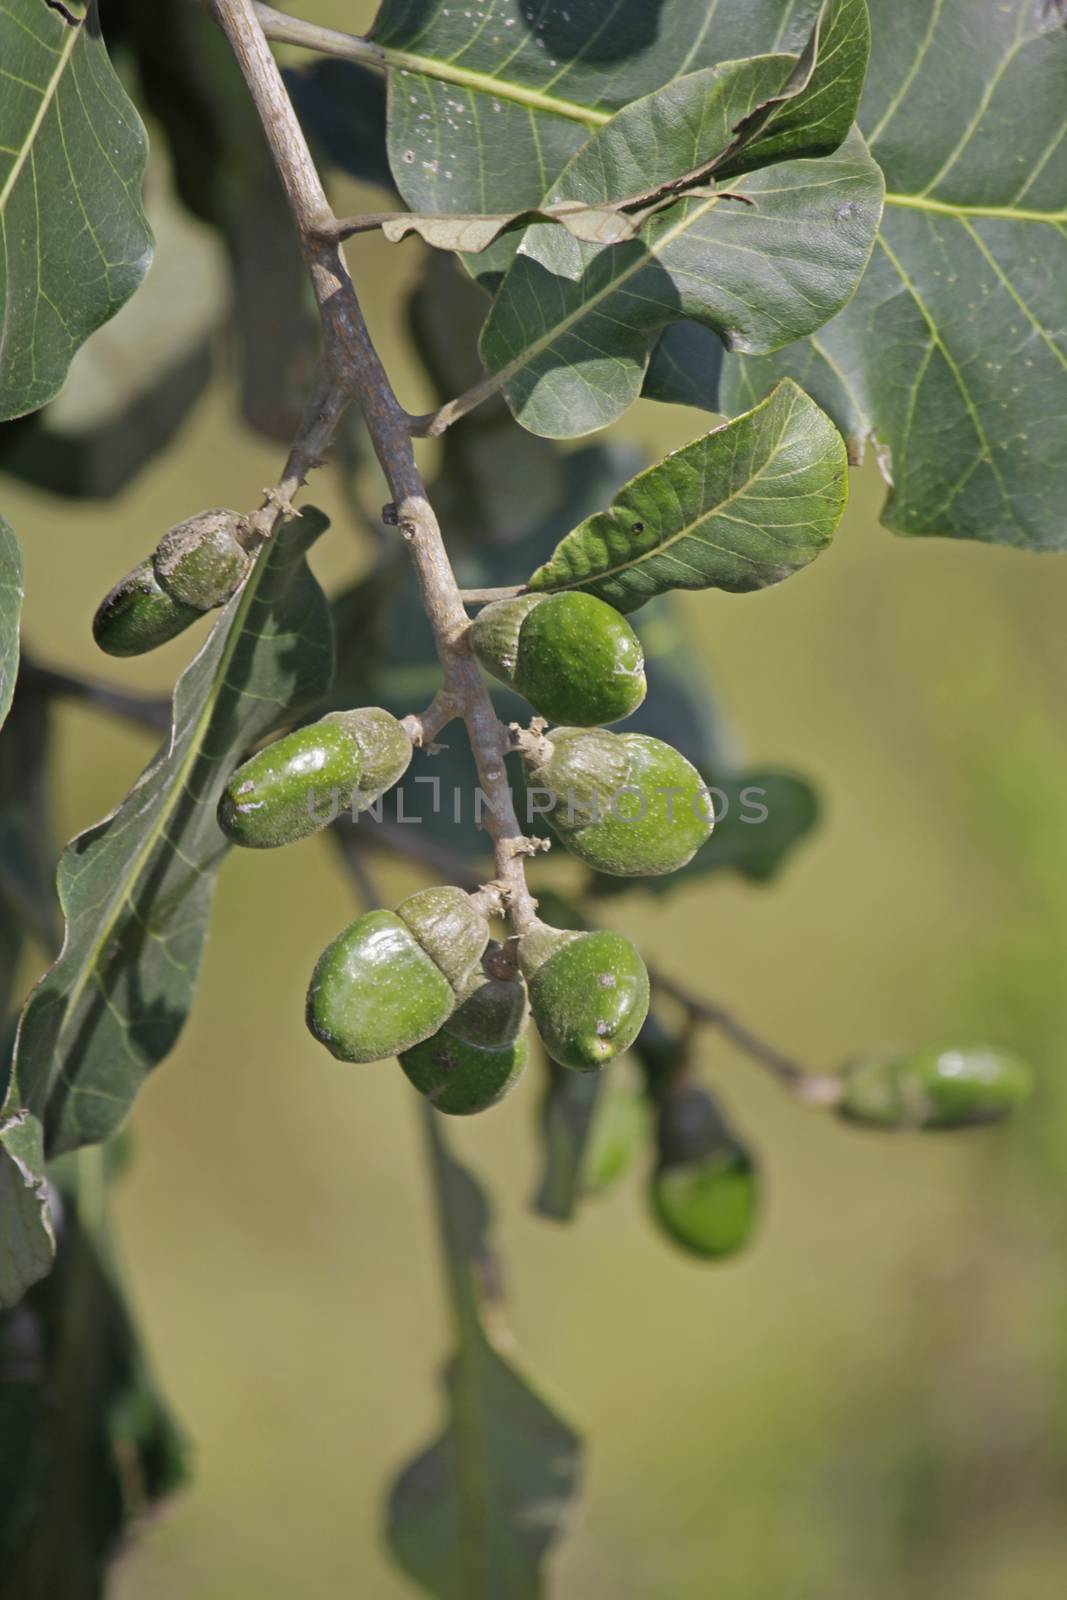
426 982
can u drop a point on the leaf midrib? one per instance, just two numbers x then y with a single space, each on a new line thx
48 94
961 210
688 529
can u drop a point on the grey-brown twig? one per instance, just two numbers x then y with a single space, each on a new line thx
815 1089
352 368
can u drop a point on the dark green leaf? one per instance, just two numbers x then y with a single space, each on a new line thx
27 855
474 1516
137 379
496 482
89 1445
685 367
136 889
72 157
567 1116
341 106
11 595
27 1241
952 353
745 506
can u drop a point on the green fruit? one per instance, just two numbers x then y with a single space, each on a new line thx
588 994
480 1053
572 656
138 615
392 978
704 1191
201 561
620 1129
625 803
935 1089
375 991
299 784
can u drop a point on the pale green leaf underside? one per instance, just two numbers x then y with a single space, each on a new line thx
487 104
953 353
473 1516
74 243
136 889
572 330
27 1242
741 508
10 611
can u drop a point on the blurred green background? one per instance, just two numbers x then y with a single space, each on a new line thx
873 1401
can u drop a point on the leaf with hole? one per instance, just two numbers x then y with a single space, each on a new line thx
953 354
136 889
746 506
74 243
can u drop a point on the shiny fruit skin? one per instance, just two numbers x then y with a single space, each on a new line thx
299 784
137 615
574 658
375 992
652 823
588 999
934 1088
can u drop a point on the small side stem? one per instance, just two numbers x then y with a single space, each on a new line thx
816 1089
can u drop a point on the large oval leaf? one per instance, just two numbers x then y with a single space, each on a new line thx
954 351
74 243
744 507
136 889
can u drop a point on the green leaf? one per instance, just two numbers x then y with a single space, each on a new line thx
136 889
486 110
746 506
496 483
27 1241
11 596
74 243
474 1516
572 329
27 856
135 381
90 1447
952 354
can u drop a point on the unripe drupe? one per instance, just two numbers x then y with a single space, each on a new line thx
573 657
299 784
588 994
